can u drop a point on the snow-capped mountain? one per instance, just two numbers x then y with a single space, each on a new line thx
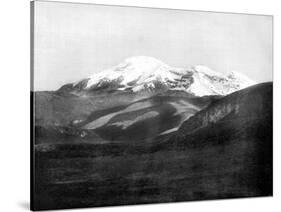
143 73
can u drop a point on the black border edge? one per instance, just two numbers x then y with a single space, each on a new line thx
32 106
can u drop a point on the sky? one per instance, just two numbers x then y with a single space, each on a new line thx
74 41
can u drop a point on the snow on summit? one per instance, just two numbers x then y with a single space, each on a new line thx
147 73
135 70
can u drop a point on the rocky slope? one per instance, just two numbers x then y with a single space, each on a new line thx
72 119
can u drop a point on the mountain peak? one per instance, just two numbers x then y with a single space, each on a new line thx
143 61
237 75
141 66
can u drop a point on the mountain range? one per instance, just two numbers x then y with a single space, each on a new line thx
140 98
143 73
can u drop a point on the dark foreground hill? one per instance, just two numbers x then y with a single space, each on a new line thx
224 151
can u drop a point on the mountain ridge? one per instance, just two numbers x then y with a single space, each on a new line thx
250 103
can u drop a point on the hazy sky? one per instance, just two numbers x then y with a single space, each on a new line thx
74 41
